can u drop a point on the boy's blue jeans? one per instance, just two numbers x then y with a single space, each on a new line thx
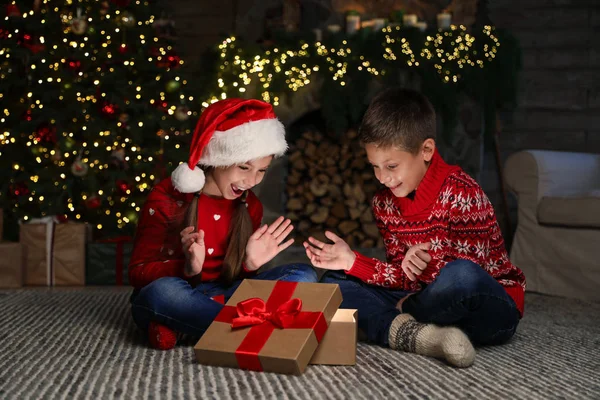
190 310
463 295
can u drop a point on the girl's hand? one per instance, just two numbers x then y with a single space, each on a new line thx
336 256
194 250
416 260
267 242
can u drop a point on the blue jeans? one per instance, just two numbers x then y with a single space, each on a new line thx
190 310
463 295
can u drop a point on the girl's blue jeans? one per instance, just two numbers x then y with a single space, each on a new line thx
190 310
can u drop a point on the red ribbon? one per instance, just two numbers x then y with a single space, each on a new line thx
280 311
254 312
119 241
219 298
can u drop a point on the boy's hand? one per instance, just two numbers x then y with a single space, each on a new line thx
336 256
416 260
266 242
194 249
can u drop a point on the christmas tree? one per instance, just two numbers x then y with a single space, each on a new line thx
95 109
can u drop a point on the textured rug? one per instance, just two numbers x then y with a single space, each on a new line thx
81 343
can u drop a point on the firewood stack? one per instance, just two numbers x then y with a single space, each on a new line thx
330 186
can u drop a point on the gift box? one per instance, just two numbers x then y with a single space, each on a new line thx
338 346
11 265
54 253
270 326
107 261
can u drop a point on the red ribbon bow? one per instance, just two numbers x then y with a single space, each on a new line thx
254 312
257 314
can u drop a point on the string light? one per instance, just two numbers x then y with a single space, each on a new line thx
447 51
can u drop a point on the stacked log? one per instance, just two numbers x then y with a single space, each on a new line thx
330 186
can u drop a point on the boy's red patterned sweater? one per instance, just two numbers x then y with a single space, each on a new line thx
450 210
157 250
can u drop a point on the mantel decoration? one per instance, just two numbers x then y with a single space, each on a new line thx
482 63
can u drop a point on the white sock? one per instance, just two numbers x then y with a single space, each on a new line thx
445 342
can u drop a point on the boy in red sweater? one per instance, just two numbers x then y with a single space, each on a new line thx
447 282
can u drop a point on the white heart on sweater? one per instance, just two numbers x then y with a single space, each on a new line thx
151 211
210 251
217 217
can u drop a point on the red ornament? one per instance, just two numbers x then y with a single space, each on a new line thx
123 49
3 33
19 189
74 65
123 187
93 202
173 60
25 39
161 105
27 115
170 60
31 43
109 110
62 218
12 10
46 133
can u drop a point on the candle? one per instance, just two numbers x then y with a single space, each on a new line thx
421 25
378 24
409 20
334 28
352 22
318 34
367 24
444 20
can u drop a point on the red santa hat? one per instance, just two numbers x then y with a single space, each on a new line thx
230 132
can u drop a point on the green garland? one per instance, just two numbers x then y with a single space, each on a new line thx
443 64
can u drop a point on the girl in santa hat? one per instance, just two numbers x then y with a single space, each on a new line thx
200 230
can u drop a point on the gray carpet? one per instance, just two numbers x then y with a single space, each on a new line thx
81 343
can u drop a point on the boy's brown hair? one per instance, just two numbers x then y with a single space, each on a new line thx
402 118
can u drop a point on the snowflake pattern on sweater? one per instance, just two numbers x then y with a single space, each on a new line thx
455 216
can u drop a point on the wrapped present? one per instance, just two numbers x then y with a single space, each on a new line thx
54 253
107 261
270 326
11 265
338 346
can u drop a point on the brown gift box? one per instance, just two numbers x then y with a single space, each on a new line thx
338 346
11 265
286 350
54 253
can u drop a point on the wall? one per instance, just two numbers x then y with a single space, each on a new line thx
560 83
199 25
